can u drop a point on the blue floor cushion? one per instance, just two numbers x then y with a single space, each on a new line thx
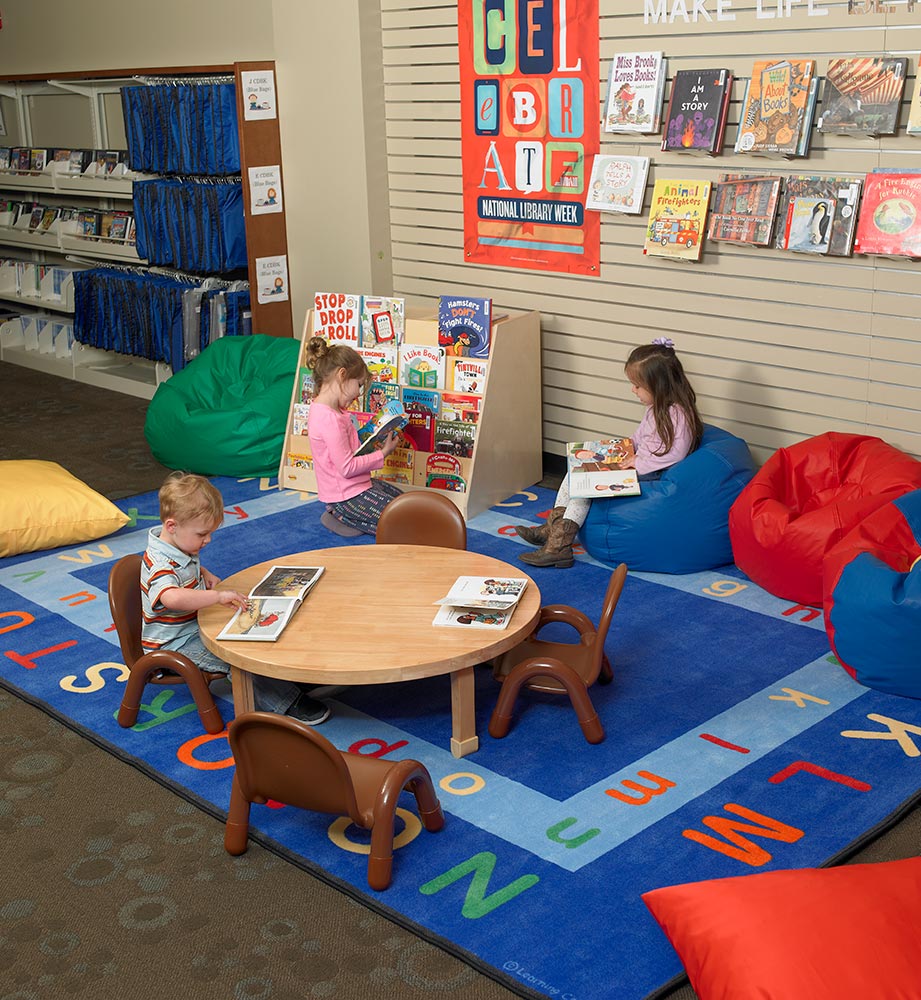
680 523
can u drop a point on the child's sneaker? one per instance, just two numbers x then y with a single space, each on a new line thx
308 710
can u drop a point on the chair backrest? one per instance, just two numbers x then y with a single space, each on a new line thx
280 758
422 518
125 605
611 597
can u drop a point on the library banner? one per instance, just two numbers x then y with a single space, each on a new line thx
529 130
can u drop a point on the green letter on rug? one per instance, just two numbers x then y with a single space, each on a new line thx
477 903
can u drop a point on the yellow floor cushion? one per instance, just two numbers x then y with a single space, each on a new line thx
42 506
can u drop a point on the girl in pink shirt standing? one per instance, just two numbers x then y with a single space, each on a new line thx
353 500
670 430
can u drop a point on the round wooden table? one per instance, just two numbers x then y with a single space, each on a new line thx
368 620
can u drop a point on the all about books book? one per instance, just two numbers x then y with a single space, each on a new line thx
863 95
596 468
272 604
677 214
775 111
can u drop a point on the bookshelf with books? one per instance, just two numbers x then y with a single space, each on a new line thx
86 197
493 410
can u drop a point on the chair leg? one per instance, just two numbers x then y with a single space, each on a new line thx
606 674
406 774
131 699
236 829
433 819
208 711
527 671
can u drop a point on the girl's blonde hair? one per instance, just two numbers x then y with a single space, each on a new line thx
656 368
185 496
326 361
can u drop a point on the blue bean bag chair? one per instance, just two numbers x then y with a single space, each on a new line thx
680 523
872 598
226 412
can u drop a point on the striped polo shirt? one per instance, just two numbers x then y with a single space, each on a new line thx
164 566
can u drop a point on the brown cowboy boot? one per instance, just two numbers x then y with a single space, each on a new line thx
538 535
557 550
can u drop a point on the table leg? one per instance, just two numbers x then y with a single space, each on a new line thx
464 739
242 683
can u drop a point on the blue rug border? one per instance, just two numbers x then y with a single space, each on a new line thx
279 850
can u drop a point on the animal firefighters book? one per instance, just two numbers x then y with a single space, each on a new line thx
676 218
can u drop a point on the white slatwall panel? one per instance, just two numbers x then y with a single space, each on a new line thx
779 346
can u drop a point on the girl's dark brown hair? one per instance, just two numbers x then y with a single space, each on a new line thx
326 361
656 368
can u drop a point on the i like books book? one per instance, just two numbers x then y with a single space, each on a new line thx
774 111
422 366
890 215
676 219
595 469
618 184
744 209
636 82
272 603
863 95
844 191
697 110
464 326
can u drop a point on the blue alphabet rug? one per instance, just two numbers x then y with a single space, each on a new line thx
735 743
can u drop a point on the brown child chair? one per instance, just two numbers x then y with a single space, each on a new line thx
422 518
281 758
560 667
162 666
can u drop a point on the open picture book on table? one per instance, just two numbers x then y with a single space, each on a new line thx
272 603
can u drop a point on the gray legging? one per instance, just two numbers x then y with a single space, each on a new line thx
576 510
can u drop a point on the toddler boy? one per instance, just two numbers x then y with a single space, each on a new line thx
175 586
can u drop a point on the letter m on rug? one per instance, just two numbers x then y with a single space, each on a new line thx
746 851
476 902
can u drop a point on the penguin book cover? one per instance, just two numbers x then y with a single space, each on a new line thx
808 224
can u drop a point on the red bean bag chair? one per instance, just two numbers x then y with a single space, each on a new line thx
805 499
872 598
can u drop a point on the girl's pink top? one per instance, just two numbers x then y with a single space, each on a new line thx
333 438
646 441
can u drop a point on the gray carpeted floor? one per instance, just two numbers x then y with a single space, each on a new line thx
115 887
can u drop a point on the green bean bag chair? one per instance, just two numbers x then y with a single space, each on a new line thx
226 412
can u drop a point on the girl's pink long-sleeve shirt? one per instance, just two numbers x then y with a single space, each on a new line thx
333 438
646 441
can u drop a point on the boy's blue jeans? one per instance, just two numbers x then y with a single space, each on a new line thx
270 694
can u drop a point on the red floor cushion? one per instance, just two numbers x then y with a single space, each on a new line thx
813 934
805 499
